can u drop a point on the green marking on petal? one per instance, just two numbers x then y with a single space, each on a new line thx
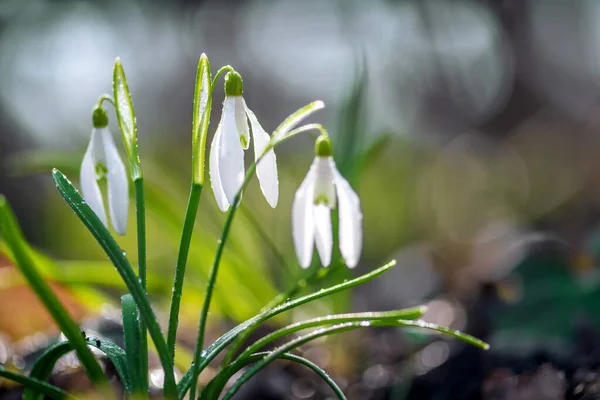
321 199
101 171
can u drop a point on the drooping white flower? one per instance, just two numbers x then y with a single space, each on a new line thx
102 160
322 190
227 149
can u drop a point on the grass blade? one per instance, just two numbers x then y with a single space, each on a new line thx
338 329
13 237
43 366
285 356
217 346
131 331
114 252
36 385
411 313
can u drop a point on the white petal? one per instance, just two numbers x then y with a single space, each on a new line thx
215 177
88 178
303 225
350 221
323 235
266 169
241 122
118 184
230 153
324 187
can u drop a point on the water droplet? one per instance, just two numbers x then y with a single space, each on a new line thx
157 377
365 323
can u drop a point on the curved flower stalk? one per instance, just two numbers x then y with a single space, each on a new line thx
322 190
227 149
102 160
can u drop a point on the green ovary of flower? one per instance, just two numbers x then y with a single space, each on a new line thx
234 86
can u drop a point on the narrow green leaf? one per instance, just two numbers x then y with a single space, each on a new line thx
227 373
201 118
290 122
410 313
13 237
126 118
114 252
217 346
43 366
36 385
273 355
131 331
343 328
446 331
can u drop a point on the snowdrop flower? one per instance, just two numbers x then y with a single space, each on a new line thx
322 190
227 149
102 160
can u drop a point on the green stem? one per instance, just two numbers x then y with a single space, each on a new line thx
184 247
227 68
105 97
210 286
12 235
141 235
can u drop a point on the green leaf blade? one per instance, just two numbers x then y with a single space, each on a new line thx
115 254
131 331
13 237
36 385
201 118
126 118
217 346
411 313
43 366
